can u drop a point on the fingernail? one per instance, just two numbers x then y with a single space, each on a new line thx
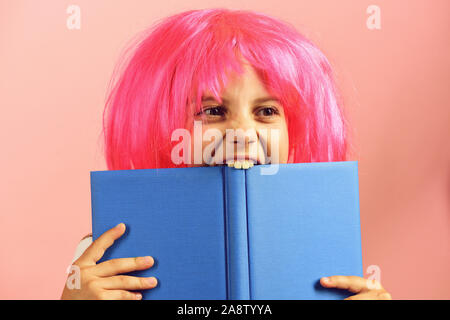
138 296
151 281
326 280
120 225
148 260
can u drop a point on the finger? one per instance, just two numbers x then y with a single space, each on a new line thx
123 265
371 295
119 295
97 248
352 283
128 283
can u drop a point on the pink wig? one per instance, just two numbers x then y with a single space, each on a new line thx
163 75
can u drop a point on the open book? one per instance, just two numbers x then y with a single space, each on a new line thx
224 233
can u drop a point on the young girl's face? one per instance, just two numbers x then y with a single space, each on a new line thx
249 107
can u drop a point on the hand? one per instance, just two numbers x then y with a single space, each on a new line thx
365 289
101 281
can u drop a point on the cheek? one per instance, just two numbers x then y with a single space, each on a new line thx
205 141
282 144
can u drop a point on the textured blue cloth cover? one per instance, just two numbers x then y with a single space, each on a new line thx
224 233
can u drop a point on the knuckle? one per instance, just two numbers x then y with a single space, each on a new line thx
115 263
107 240
99 254
354 280
125 295
98 294
143 283
88 273
123 280
91 285
81 262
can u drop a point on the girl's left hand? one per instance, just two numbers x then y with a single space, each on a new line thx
365 289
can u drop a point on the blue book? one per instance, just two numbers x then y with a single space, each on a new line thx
220 233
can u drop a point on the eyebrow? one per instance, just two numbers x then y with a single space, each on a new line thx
256 101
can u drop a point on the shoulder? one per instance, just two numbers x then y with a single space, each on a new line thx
84 243
87 236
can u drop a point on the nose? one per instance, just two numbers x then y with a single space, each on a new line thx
239 130
242 137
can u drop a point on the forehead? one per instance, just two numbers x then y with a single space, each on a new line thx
246 85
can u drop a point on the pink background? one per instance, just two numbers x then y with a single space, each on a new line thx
395 82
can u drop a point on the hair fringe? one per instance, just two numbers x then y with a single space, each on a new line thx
165 69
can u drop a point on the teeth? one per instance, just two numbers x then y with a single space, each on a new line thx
241 164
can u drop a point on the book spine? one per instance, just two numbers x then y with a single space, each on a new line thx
93 177
236 234
357 217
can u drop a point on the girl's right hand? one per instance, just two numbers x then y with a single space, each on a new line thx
103 281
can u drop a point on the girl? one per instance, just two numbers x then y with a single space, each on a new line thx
225 69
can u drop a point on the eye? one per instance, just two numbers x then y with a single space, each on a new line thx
267 111
215 111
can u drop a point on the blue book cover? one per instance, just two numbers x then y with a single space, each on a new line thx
220 233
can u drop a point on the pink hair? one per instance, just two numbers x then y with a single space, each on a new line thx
169 66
